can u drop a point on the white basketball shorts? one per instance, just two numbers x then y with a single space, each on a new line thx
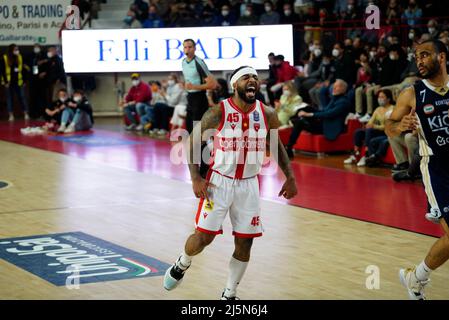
240 197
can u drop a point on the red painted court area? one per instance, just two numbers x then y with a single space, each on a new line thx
359 196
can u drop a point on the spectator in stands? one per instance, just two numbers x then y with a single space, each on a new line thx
288 16
330 121
393 13
153 20
248 17
136 101
284 71
348 19
220 93
180 110
225 18
433 29
172 93
372 137
77 115
320 78
54 111
269 16
412 15
12 74
54 74
271 80
364 81
209 13
148 120
36 61
345 69
289 103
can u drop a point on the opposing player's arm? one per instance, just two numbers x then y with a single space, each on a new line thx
210 120
289 189
403 117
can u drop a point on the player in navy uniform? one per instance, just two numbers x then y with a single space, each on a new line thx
424 107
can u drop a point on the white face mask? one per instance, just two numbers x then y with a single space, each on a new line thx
381 102
317 52
247 13
286 93
171 82
287 12
135 82
16 52
392 56
372 54
50 55
62 99
411 36
335 53
311 47
224 12
77 98
37 50
267 9
431 30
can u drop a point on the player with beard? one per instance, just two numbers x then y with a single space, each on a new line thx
424 107
241 135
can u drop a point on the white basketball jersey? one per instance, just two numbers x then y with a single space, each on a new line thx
240 141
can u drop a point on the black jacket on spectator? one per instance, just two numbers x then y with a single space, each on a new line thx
345 69
55 70
334 116
85 106
391 71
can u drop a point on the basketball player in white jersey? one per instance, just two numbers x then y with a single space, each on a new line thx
424 107
241 137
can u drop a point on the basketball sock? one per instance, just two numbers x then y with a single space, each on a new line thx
422 271
237 269
185 261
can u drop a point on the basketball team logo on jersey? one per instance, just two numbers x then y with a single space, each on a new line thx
76 257
429 109
256 116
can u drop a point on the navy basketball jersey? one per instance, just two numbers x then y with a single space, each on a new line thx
432 105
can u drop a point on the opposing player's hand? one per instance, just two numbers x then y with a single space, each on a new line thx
289 189
200 188
409 122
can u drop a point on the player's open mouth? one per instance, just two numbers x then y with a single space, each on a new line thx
250 91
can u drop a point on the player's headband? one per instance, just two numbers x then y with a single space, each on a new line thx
240 73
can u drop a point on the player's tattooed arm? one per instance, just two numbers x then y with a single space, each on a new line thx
210 120
403 117
289 189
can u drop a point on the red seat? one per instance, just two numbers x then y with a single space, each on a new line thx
319 144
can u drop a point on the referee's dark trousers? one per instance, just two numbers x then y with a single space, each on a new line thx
197 105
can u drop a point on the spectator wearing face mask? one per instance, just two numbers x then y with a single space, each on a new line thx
248 18
288 104
136 101
153 20
432 28
225 17
77 115
288 16
12 73
36 61
172 93
54 111
269 16
54 74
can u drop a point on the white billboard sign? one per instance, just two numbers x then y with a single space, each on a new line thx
147 50
25 22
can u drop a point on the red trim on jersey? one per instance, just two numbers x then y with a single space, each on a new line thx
241 164
223 116
264 116
246 235
240 110
209 231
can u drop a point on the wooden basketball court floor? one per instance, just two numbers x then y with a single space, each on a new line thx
304 253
